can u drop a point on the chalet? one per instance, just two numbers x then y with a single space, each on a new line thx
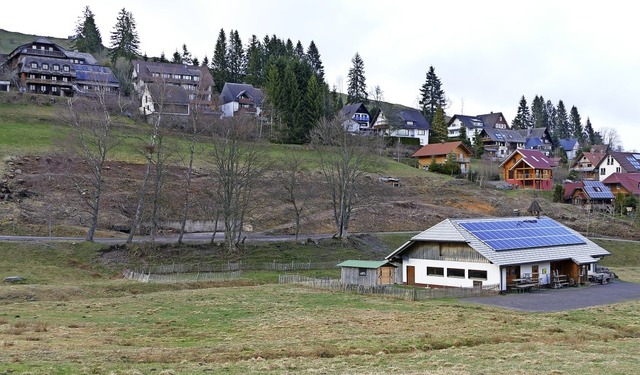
499 143
625 183
43 67
357 118
240 98
586 165
401 123
528 169
588 194
473 125
537 139
494 120
481 252
571 147
618 162
367 272
441 151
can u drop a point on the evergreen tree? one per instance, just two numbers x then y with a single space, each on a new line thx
186 56
313 57
272 90
290 105
336 99
163 57
523 117
438 127
357 88
550 116
288 48
312 107
205 61
589 133
195 62
431 95
478 145
177 58
562 121
255 58
124 38
235 58
463 136
87 37
299 51
538 112
219 66
575 125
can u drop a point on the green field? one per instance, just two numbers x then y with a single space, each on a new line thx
74 314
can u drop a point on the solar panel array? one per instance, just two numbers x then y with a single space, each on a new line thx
521 234
634 161
597 190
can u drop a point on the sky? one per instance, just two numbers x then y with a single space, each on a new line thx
487 54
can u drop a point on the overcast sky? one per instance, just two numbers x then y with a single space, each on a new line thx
486 53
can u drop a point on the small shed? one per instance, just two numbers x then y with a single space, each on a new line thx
367 272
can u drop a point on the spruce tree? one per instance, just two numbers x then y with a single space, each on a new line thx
562 121
87 37
478 145
431 95
523 117
313 57
255 58
290 105
177 58
219 66
438 127
575 124
235 58
205 61
589 133
312 107
550 116
289 49
357 86
186 56
299 51
124 38
538 113
463 136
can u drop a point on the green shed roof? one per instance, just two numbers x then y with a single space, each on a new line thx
365 263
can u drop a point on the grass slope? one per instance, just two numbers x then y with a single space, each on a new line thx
9 40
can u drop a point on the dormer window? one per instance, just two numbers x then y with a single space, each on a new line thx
65 68
34 65
45 66
56 67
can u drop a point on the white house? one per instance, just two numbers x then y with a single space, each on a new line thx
240 97
618 162
480 252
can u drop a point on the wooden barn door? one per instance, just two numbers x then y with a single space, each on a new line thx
411 275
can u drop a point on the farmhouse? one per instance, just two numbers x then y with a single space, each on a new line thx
367 272
528 169
481 252
439 152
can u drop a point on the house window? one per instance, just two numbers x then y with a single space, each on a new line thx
45 66
455 272
43 88
362 272
618 170
56 67
196 78
478 274
54 78
54 89
403 132
421 132
65 79
409 122
32 87
603 171
65 68
32 76
34 65
435 271
43 77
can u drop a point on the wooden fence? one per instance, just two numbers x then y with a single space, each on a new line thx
238 266
180 277
411 294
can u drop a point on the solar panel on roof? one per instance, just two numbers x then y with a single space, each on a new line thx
634 162
521 234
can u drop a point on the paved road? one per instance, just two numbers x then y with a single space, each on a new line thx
549 300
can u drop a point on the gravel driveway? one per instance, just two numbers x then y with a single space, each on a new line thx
548 300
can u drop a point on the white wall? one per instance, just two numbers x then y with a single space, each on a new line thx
493 272
608 169
544 271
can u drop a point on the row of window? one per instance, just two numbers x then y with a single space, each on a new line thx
45 66
176 76
53 78
457 272
603 171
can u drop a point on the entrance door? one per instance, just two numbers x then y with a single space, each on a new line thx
535 275
513 272
411 275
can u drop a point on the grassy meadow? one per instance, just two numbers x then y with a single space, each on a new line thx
75 314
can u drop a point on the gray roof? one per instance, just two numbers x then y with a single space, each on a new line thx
450 230
504 135
365 263
231 92
168 94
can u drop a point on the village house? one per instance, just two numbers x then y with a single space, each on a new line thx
498 143
537 139
571 148
586 165
588 195
623 183
473 126
356 118
367 272
173 89
240 98
43 67
618 162
528 169
497 251
440 152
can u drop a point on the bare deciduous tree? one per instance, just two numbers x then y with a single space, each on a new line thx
611 137
92 139
238 163
289 177
345 159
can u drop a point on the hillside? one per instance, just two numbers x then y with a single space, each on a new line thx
9 40
40 198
